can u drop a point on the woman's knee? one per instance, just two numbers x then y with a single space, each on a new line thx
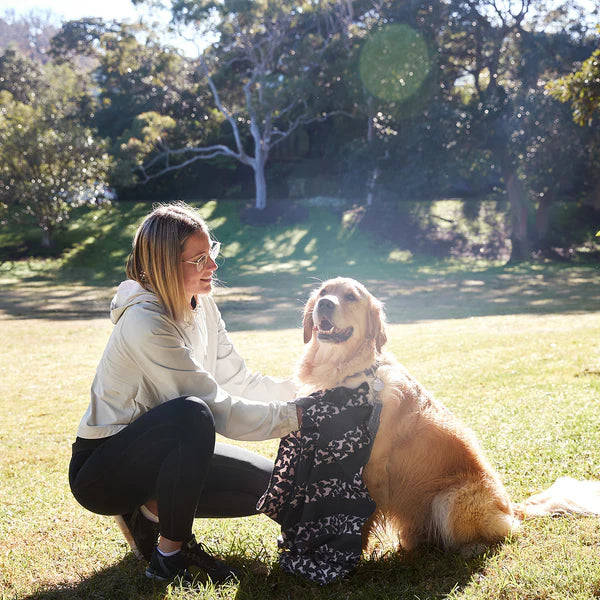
193 415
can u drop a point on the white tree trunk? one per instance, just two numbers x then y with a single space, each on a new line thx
260 183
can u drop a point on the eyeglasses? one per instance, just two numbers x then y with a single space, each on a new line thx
200 262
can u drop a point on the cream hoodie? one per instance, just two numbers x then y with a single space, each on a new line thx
150 359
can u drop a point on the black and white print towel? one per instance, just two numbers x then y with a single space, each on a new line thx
316 492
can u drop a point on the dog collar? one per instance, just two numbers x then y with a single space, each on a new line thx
377 384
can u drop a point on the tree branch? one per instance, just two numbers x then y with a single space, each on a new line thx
200 153
222 109
304 120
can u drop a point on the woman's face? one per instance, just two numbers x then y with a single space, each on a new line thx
194 281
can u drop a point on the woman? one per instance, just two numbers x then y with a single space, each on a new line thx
168 379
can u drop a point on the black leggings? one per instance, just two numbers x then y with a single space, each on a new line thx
169 454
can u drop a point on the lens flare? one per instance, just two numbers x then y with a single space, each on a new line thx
394 62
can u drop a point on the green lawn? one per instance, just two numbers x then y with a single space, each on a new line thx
514 351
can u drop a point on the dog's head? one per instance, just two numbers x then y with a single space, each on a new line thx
343 311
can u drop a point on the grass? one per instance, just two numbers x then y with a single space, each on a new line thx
513 350
267 272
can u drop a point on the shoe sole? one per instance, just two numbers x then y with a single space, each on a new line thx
152 575
187 582
128 536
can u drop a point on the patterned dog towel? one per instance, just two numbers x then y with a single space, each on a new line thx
316 492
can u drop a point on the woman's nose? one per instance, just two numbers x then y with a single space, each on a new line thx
211 265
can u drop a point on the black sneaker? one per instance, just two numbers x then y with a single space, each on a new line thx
140 533
190 564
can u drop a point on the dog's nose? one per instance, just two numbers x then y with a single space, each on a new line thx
325 304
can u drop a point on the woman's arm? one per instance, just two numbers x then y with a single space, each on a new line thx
169 370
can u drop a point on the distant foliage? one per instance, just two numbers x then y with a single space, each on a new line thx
49 162
581 90
373 102
30 34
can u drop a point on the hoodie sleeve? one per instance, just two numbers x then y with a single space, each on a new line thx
169 371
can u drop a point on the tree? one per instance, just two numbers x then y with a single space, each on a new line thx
581 89
30 34
496 57
23 77
49 162
145 89
266 57
392 79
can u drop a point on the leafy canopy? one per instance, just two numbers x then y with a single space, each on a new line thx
49 162
581 89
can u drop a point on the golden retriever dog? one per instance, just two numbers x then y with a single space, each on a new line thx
427 474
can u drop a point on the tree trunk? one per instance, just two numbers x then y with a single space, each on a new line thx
47 238
596 197
542 224
258 163
371 185
375 172
260 183
370 120
517 197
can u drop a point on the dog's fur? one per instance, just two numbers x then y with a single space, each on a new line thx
427 474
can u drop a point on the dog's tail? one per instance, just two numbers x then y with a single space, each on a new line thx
567 496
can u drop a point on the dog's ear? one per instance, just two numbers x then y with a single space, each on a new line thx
381 339
376 324
308 322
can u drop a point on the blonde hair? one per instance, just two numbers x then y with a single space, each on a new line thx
155 259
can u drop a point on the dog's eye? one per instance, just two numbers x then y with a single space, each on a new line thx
351 297
323 293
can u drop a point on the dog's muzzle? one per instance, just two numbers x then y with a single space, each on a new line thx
323 316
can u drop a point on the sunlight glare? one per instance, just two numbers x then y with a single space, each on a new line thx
394 62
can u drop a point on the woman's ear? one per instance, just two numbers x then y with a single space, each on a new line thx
308 322
376 324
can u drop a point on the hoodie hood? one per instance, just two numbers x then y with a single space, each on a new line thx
128 293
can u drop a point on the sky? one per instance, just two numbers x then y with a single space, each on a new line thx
62 10
107 9
66 10
74 9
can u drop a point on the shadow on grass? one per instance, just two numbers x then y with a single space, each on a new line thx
275 301
422 295
124 580
427 573
269 272
508 290
424 574
41 300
